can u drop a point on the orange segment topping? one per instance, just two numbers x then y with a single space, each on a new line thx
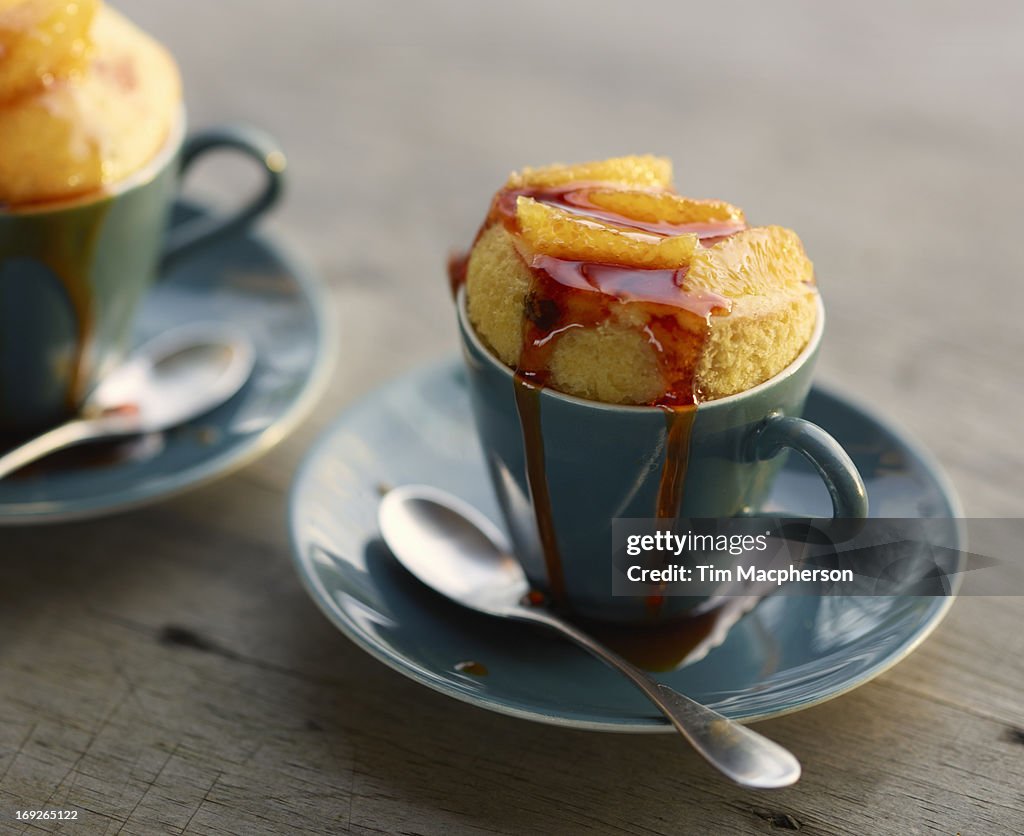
663 207
549 230
760 261
639 171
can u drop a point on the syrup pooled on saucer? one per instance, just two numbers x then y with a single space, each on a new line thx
472 668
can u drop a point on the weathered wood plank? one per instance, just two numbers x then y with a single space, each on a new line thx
182 699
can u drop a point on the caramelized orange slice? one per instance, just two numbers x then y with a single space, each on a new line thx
641 172
761 261
551 231
663 207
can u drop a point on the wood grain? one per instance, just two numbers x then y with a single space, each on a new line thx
164 672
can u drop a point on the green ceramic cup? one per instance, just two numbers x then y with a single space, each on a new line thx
72 273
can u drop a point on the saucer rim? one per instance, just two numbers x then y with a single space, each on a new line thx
230 461
651 725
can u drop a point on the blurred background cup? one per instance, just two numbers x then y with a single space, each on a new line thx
72 273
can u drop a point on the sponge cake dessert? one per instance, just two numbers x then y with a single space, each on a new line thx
600 281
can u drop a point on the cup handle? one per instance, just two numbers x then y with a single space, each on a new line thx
836 468
192 235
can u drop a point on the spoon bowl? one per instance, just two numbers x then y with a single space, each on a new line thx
175 377
452 548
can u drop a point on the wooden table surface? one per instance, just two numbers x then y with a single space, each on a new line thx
164 672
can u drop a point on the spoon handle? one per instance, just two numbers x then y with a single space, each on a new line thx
67 435
748 758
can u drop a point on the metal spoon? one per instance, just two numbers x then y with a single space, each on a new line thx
457 551
173 378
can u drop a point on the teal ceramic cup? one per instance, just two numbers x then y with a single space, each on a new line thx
72 273
594 462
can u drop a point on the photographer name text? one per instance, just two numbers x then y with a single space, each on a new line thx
709 573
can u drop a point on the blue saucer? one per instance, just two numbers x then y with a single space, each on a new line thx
787 653
248 280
